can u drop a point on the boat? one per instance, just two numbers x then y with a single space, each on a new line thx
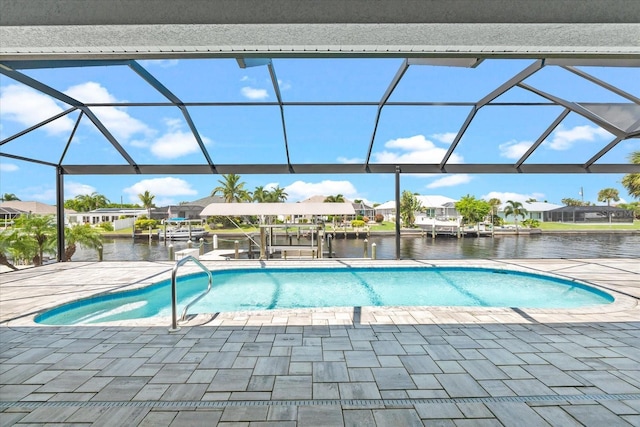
182 229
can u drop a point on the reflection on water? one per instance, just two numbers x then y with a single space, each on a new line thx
598 245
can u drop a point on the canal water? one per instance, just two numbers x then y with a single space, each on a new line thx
583 245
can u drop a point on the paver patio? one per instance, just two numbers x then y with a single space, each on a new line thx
385 366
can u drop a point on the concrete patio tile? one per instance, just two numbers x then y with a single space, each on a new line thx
516 413
443 352
397 417
336 343
500 356
300 368
607 382
529 387
358 418
552 376
361 359
121 388
178 392
330 372
231 380
244 413
324 391
255 349
359 390
320 416
158 418
475 410
174 373
594 415
555 416
392 379
461 385
282 413
483 370
261 383
271 366
386 348
151 392
68 381
360 374
292 387
307 354
202 376
218 360
438 410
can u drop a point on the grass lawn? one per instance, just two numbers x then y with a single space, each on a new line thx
550 226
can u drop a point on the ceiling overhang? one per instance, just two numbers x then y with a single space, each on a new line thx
280 28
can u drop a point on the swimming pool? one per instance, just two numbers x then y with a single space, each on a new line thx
276 288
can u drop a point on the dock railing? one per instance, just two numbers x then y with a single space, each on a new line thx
174 291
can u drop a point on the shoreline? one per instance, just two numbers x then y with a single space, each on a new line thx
403 232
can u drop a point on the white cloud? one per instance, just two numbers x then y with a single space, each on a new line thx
450 181
516 197
29 107
514 149
162 63
73 189
347 160
8 167
417 149
176 144
301 190
284 85
39 193
163 188
117 120
247 79
446 138
254 93
564 139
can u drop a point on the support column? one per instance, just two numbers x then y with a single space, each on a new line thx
60 214
397 212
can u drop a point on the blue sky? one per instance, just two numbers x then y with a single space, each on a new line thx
243 134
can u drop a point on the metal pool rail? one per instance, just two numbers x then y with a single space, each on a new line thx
174 292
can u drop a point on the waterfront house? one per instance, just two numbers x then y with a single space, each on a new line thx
535 210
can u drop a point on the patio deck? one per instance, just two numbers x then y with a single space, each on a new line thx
358 366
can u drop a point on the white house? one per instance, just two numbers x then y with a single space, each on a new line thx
535 210
440 207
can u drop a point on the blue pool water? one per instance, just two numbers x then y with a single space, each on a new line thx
266 289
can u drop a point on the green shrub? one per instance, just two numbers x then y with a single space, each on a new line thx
144 224
531 223
357 223
106 226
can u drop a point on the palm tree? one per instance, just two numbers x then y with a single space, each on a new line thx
260 195
89 202
40 229
7 197
409 205
147 201
6 243
338 198
278 194
84 235
632 180
495 204
607 195
516 209
232 189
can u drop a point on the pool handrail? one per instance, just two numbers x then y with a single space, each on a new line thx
174 292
